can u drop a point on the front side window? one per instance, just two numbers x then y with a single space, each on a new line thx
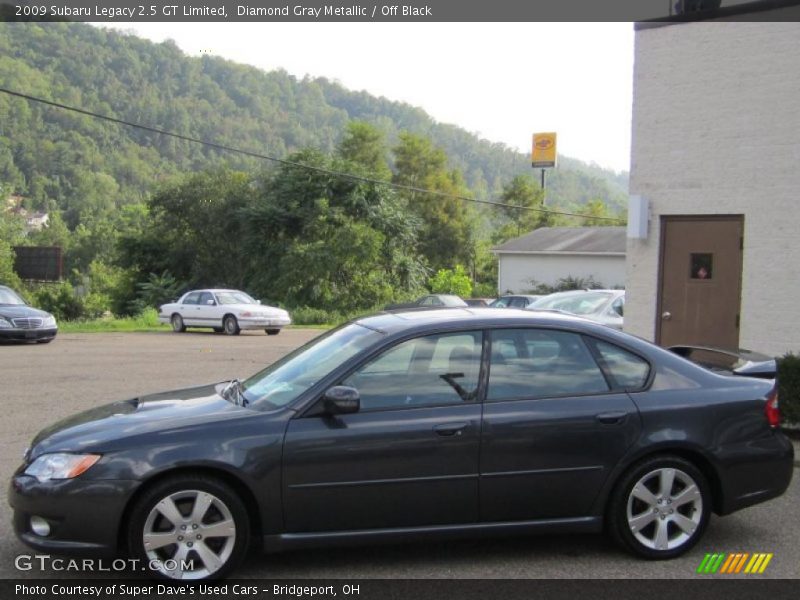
541 363
500 302
206 298
234 298
426 371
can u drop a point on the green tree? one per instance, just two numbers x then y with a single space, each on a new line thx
445 236
451 281
365 145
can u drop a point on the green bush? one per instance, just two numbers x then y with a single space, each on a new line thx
60 300
789 388
451 281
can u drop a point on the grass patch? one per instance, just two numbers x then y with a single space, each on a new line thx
145 321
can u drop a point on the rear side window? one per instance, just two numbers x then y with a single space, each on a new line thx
193 298
540 363
628 371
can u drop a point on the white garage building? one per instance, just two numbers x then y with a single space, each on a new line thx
548 254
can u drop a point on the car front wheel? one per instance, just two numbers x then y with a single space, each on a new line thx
660 508
231 325
189 527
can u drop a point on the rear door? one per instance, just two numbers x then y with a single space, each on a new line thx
554 425
408 458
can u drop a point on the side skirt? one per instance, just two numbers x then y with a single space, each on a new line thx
290 541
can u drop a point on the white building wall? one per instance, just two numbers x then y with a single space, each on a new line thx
716 130
516 271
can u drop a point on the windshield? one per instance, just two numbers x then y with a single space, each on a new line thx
234 298
283 382
8 296
577 304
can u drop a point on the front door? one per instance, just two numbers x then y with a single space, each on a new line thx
701 281
408 458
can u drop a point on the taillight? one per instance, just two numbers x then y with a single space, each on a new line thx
771 408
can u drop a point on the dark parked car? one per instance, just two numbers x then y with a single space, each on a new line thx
411 426
515 301
22 323
431 301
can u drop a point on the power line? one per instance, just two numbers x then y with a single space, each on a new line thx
283 161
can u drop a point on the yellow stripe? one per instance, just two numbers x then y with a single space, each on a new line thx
765 563
742 561
757 564
750 564
728 563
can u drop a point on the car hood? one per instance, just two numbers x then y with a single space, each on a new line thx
13 311
256 308
113 426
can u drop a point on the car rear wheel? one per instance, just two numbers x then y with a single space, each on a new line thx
177 324
231 325
272 331
660 508
190 527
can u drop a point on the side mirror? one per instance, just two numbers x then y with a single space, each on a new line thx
258 301
210 302
341 400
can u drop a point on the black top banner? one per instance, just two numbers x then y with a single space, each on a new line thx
398 10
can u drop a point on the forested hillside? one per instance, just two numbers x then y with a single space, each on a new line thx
106 186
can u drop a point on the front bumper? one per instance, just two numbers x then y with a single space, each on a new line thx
28 335
84 515
263 322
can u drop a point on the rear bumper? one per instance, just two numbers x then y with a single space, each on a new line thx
766 473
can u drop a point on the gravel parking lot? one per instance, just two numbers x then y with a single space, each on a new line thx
44 383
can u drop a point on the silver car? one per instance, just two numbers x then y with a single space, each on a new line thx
222 310
603 306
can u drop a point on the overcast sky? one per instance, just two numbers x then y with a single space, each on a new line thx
503 81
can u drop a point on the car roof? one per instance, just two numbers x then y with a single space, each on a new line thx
412 320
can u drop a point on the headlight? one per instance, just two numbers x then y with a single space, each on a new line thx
5 324
49 321
60 465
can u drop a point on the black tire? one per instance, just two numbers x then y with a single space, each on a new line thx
226 551
635 520
230 325
272 331
47 341
177 323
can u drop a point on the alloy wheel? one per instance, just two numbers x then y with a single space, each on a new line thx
664 509
192 534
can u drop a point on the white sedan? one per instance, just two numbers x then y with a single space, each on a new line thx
222 310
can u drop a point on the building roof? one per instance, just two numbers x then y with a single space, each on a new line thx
567 240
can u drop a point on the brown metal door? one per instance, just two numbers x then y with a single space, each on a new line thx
701 281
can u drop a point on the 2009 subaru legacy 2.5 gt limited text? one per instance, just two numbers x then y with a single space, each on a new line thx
411 425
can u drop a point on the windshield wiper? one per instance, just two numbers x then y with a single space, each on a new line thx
237 393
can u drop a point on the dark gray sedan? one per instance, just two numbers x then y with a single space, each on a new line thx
413 425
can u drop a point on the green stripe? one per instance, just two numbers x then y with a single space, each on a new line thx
718 564
701 568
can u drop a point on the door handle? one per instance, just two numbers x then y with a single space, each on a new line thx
450 429
611 418
666 315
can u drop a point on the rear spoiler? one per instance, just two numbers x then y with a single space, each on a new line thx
743 362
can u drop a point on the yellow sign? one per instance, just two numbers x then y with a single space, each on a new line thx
544 150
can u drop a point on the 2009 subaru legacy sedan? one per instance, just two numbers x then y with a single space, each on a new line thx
410 425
